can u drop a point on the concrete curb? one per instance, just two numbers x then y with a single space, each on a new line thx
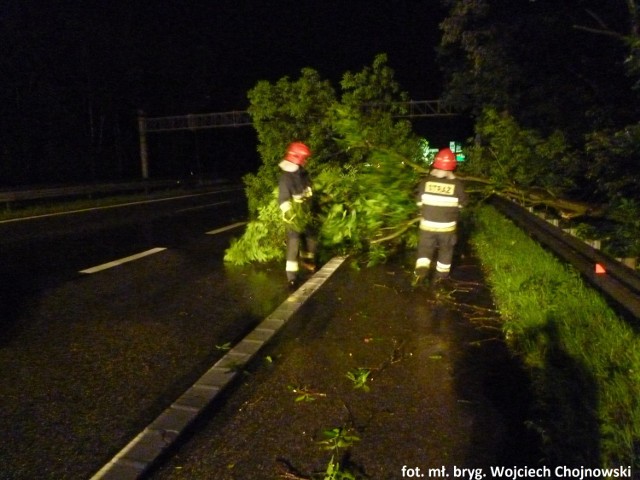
145 449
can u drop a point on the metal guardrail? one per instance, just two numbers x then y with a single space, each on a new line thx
619 283
9 197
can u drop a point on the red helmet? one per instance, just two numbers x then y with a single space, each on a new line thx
297 152
445 160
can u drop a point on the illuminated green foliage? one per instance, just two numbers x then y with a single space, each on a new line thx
338 438
364 165
263 239
512 156
359 377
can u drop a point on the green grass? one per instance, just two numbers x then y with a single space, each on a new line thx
583 360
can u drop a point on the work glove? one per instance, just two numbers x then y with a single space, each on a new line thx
287 212
288 216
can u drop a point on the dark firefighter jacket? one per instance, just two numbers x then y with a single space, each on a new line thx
294 193
293 187
440 197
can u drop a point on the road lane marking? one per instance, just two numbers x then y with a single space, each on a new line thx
119 205
228 227
120 261
154 441
202 207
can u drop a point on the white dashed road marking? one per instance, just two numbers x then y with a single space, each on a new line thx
228 227
203 207
120 261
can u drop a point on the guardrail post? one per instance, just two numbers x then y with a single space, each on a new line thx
631 262
144 150
595 243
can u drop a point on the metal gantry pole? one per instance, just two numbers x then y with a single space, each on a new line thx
144 149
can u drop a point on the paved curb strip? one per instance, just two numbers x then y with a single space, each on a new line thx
141 452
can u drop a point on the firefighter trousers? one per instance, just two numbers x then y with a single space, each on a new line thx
299 245
431 244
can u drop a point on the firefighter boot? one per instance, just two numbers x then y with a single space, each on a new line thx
442 281
419 275
307 261
293 283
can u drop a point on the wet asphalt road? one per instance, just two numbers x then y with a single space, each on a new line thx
443 393
87 360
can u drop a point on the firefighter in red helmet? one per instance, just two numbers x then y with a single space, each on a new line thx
294 198
440 197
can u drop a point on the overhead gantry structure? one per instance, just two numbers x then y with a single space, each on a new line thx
238 118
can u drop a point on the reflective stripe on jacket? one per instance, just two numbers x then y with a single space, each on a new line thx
440 197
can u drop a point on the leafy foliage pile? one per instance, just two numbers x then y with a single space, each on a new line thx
517 158
364 166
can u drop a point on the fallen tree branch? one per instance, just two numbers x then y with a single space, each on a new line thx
398 232
536 196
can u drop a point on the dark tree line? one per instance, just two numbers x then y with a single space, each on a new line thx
74 73
73 76
552 64
566 68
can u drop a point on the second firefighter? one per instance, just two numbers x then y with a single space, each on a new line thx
440 197
294 198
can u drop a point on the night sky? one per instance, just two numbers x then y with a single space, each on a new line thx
246 41
231 44
261 41
71 68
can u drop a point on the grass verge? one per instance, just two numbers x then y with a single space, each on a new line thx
584 361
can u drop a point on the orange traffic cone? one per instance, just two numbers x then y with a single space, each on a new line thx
600 268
